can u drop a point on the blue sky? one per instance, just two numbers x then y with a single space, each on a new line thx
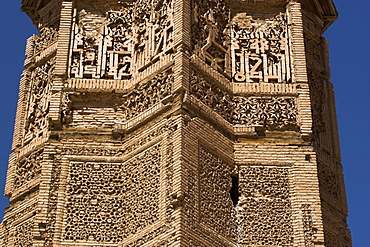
349 39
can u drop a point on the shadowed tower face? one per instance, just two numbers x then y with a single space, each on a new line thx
176 123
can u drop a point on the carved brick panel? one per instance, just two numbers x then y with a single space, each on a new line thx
39 101
36 44
215 202
152 32
24 233
243 47
121 42
319 85
308 228
28 169
259 50
142 241
274 113
271 112
210 33
101 45
143 96
329 182
107 202
104 110
264 209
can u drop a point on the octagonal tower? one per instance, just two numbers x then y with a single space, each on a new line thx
176 123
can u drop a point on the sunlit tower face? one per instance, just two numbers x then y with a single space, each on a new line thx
176 123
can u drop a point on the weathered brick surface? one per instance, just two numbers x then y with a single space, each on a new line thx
176 123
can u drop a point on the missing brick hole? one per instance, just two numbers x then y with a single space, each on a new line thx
234 191
308 157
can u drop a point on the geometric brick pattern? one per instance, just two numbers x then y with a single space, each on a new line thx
176 123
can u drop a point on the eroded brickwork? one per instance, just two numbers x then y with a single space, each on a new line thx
125 194
176 123
264 208
214 197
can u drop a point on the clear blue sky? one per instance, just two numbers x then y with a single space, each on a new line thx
349 39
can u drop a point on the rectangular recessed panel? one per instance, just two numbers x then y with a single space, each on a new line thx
108 202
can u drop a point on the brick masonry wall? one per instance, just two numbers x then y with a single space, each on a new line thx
184 127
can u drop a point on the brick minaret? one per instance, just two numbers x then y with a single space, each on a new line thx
176 123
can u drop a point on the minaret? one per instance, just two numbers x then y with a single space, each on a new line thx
176 123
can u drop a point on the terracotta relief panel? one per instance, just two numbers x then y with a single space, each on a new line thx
41 80
264 215
271 112
28 169
210 33
108 202
121 42
215 203
259 49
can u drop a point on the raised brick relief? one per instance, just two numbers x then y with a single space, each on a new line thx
36 44
152 32
24 233
316 83
40 45
48 230
115 200
191 198
210 33
104 110
143 96
264 216
271 112
274 113
215 202
259 50
308 228
102 45
39 101
121 42
170 122
148 237
28 169
329 181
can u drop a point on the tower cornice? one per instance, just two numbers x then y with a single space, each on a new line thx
32 8
324 9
